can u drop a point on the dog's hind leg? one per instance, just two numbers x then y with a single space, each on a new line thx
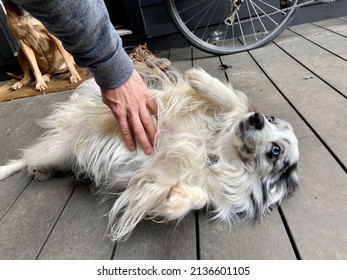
135 203
154 200
182 199
211 88
69 61
52 153
41 160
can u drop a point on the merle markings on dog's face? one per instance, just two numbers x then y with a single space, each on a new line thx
268 138
269 145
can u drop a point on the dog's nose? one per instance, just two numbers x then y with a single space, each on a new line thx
256 120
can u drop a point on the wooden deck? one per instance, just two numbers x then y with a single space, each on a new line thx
300 77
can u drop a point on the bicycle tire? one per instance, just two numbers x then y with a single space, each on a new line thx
262 14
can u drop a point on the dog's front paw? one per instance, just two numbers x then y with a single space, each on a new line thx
182 199
17 86
198 78
41 86
75 78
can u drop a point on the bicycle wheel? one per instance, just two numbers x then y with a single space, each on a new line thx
230 26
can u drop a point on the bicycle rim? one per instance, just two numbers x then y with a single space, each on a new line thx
230 26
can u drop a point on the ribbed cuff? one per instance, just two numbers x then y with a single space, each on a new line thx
116 72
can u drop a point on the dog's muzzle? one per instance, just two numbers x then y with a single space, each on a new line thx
256 120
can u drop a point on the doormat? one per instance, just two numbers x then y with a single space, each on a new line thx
57 83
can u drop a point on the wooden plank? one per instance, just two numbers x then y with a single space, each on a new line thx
302 51
80 232
10 189
11 112
245 241
266 240
335 25
328 40
25 227
19 121
22 129
211 64
319 104
150 240
316 213
19 113
181 58
163 54
155 241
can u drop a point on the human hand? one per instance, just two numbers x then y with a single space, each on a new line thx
132 105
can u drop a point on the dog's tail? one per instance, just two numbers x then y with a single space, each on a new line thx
14 76
12 167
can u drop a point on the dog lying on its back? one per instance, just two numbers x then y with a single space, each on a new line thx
210 150
40 53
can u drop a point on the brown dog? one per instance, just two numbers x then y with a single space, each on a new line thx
40 53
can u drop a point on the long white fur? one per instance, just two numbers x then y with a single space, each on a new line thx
196 120
12 167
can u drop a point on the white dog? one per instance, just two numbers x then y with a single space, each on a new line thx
210 150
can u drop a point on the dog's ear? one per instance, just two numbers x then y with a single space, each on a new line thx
288 181
274 190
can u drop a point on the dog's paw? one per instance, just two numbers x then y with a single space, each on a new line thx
75 78
46 78
17 86
41 86
40 173
182 199
198 78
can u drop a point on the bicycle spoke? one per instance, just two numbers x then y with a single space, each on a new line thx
208 24
266 15
276 9
240 26
228 26
201 19
259 18
191 6
251 19
196 15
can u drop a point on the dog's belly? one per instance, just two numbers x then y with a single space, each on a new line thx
181 149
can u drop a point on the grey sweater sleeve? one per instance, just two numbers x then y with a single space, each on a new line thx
86 32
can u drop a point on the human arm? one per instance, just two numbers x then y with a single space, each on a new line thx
87 33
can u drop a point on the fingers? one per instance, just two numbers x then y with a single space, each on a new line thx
126 132
133 106
152 105
140 127
148 125
136 124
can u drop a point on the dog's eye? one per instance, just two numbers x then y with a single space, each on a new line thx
276 150
271 119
